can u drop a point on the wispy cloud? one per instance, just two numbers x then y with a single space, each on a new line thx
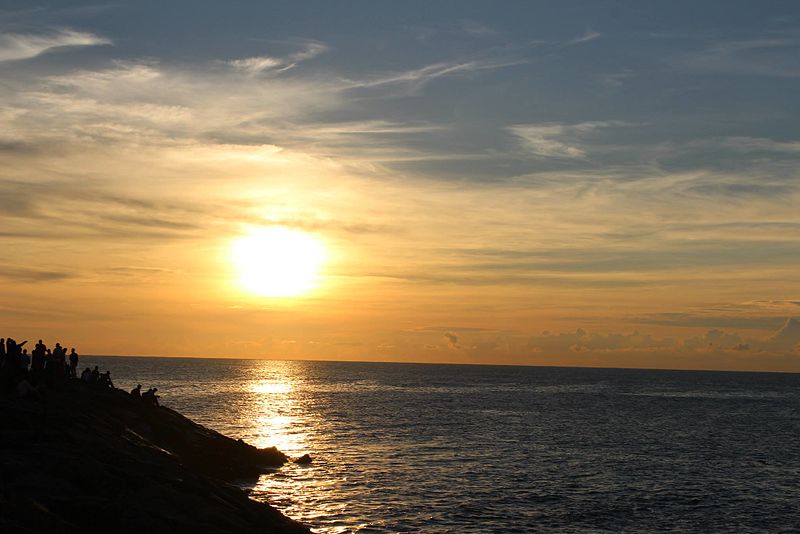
254 65
750 144
259 64
615 80
24 46
557 140
418 78
774 56
24 274
587 36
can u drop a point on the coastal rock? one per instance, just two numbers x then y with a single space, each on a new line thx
303 460
84 459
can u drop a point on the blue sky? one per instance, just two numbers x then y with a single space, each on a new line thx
518 166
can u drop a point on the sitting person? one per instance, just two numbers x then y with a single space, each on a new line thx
86 375
137 392
105 380
150 397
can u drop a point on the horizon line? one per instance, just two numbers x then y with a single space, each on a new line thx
477 364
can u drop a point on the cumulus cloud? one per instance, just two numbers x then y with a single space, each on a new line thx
452 341
581 340
785 341
24 46
714 340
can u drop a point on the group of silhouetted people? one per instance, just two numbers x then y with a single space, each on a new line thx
26 374
148 397
94 376
41 367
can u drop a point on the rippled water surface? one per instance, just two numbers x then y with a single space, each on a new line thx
452 448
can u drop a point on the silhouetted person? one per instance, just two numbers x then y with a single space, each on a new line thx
73 363
105 380
2 350
86 375
14 353
13 370
37 361
60 357
95 375
150 397
137 392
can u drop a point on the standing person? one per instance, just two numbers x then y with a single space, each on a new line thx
37 361
73 363
59 364
2 351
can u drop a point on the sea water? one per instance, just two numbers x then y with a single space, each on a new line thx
457 448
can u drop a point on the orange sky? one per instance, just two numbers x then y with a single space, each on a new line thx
462 221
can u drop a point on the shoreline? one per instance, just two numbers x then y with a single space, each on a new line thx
81 458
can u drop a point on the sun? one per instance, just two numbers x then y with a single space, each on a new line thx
278 262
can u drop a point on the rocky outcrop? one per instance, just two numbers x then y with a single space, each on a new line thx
83 459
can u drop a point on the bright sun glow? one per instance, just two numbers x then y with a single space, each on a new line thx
278 262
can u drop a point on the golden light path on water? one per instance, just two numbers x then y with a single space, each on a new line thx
275 421
281 415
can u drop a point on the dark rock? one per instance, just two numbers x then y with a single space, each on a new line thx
84 459
303 460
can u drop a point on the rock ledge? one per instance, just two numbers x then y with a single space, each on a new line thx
84 459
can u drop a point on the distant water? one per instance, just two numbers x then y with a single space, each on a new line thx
453 448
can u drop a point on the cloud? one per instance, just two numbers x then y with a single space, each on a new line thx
259 64
15 47
788 337
254 65
472 27
784 341
587 36
558 140
715 340
416 79
62 209
24 274
444 329
750 144
775 57
615 80
581 340
710 320
452 341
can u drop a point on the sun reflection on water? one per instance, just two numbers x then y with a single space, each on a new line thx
275 415
271 386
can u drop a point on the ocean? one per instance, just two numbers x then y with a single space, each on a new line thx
460 448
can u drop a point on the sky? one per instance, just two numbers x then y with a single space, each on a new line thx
578 183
